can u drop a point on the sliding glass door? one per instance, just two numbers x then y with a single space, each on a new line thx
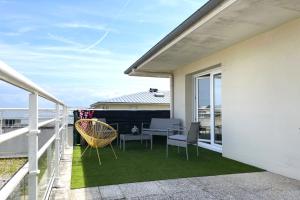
208 104
203 108
217 112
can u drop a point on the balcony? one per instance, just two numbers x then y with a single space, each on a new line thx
47 165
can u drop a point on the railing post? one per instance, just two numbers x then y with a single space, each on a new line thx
33 147
63 135
49 160
1 123
66 125
57 144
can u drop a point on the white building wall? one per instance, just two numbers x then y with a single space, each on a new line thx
261 99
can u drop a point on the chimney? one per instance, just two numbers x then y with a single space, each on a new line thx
153 90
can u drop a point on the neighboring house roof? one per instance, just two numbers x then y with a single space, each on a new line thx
217 25
139 98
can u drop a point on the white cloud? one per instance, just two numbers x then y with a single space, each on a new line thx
74 50
19 31
26 29
64 55
179 2
64 40
76 25
117 16
5 1
97 42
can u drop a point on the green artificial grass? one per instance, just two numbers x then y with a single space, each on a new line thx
139 163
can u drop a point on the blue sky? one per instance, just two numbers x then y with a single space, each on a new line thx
78 50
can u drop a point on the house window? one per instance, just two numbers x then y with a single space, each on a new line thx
105 107
11 122
133 107
208 105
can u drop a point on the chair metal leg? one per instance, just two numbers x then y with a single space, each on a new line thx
167 151
84 150
117 139
187 153
151 141
98 157
178 149
197 150
90 152
124 144
113 151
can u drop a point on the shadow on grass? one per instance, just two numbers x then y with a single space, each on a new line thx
139 163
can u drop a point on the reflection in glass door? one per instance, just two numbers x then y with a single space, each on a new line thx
208 108
217 83
203 107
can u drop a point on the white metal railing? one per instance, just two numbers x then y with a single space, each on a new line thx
31 168
12 118
1 125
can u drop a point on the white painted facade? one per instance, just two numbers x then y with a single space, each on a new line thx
261 98
256 46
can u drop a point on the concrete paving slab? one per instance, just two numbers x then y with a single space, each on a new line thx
248 186
60 195
228 191
156 197
111 192
221 187
195 195
141 189
263 181
177 185
279 194
65 166
91 193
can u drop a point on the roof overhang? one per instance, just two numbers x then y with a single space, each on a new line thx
215 26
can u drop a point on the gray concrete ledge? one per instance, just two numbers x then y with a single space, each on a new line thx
248 186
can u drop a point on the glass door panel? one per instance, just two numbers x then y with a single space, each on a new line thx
203 108
209 109
217 82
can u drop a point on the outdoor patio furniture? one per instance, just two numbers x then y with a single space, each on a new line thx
183 140
160 126
132 137
97 134
114 125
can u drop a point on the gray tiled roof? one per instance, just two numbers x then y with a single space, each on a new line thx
139 98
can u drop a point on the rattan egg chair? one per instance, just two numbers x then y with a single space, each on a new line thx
97 134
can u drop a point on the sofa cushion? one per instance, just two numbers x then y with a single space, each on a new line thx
178 137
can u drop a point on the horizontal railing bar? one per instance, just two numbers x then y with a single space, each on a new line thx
13 77
9 187
49 188
12 134
44 123
45 146
61 128
15 133
22 109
